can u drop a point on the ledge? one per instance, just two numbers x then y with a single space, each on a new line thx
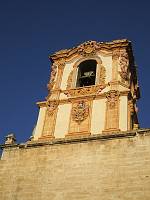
78 139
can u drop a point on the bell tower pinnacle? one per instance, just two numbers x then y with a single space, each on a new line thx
93 89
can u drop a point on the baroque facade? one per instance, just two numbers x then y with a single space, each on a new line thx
93 87
87 143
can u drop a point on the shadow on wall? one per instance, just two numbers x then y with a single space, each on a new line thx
1 151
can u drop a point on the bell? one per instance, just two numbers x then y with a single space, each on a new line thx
88 74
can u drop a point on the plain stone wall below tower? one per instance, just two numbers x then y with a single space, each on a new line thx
96 168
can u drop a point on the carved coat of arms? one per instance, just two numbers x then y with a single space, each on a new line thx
80 111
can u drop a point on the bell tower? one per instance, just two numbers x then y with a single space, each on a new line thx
93 89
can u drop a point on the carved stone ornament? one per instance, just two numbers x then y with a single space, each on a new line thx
124 62
115 54
88 48
60 63
88 90
131 106
51 106
57 65
102 74
112 99
80 111
52 76
69 81
10 139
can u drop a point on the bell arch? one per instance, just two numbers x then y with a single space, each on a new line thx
95 65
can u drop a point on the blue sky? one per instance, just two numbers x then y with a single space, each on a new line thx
31 30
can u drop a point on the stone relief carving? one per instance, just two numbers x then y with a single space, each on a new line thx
102 74
51 106
80 111
88 89
60 63
124 62
96 89
52 76
88 48
112 98
115 54
57 65
69 81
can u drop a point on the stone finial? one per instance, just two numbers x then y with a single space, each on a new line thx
135 126
10 139
31 138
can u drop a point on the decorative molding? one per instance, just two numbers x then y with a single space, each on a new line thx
56 67
51 106
88 90
102 75
69 81
112 98
88 48
112 112
124 63
80 111
60 63
71 90
115 63
50 120
52 76
131 106
115 54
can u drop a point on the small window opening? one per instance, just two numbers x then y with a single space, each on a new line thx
86 73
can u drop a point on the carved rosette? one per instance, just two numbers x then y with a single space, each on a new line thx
88 48
51 106
124 63
112 99
80 111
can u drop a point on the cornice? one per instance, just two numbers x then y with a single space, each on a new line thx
87 46
80 97
79 139
41 104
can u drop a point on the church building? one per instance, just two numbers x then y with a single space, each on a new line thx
87 142
93 89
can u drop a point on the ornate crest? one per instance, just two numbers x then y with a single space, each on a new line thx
124 62
112 98
80 111
88 48
51 106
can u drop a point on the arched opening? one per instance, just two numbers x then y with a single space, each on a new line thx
86 73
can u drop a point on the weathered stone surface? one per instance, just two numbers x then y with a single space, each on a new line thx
108 168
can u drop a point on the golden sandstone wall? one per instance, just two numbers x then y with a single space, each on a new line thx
100 167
